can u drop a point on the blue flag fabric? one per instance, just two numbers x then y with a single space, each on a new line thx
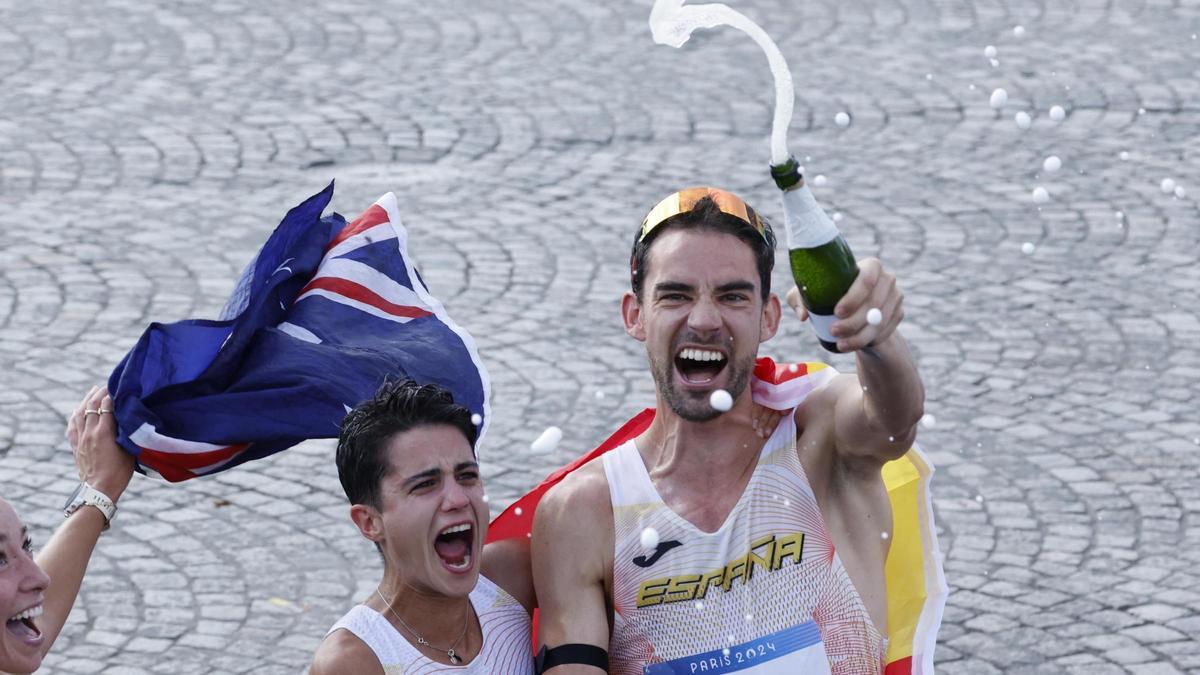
326 312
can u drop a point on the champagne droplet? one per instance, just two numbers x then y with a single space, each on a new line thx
1018 31
1167 185
1027 248
842 119
476 419
990 51
1052 164
1057 113
649 538
720 400
819 181
548 441
1023 120
874 316
1040 196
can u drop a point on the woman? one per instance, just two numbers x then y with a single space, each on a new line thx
407 463
37 593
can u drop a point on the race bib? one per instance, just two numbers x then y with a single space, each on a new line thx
792 651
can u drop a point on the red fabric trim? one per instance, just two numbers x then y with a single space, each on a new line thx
768 371
369 218
356 291
899 667
169 473
188 461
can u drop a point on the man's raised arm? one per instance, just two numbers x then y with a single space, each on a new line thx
876 416
572 553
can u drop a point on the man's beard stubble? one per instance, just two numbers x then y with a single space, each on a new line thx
697 407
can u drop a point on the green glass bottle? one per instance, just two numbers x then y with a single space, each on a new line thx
822 264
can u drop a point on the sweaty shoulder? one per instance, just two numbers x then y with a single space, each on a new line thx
581 494
581 491
342 653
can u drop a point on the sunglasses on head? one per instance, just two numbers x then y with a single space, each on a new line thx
684 200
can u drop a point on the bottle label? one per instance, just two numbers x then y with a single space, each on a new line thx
822 323
808 226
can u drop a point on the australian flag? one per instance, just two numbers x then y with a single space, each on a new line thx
325 313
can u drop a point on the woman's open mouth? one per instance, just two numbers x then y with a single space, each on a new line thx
699 366
24 626
453 546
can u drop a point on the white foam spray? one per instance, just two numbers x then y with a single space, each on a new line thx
672 23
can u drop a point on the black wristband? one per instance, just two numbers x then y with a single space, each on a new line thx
588 655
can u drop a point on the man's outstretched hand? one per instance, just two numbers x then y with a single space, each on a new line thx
874 288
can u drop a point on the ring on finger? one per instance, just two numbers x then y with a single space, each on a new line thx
104 411
91 412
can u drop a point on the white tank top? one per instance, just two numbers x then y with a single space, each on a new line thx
507 646
764 594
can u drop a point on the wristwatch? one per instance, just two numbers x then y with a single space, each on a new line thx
86 495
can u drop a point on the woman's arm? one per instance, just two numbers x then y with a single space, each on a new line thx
102 464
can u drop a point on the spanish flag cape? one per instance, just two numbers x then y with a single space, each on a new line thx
916 585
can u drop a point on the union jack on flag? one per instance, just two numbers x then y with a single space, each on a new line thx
325 313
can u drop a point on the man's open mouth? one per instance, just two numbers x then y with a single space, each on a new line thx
24 625
699 366
454 545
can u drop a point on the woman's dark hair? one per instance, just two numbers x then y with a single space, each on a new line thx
706 215
397 407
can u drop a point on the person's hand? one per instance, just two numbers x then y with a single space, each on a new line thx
874 289
793 301
92 432
764 419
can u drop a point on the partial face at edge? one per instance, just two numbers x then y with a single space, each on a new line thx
22 588
701 317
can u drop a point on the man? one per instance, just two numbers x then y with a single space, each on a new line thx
406 460
707 550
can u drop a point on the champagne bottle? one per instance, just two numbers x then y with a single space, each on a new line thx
822 264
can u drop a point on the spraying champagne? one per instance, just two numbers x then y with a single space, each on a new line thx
821 262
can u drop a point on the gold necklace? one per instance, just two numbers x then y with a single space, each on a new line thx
455 659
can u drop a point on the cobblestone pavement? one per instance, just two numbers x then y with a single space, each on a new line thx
147 148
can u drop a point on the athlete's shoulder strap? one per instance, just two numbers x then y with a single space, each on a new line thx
376 632
628 481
